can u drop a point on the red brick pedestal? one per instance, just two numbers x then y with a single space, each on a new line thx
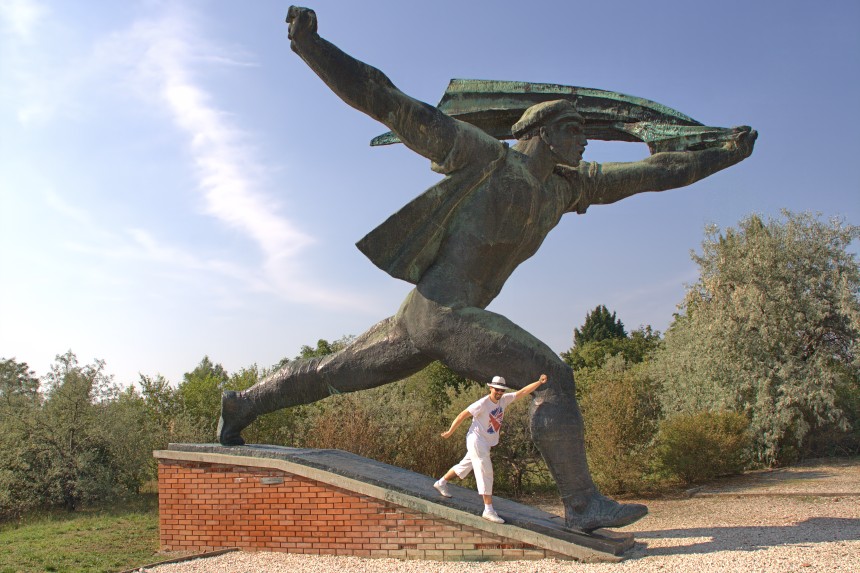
213 501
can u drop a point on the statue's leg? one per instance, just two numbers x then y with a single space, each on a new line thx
381 355
479 344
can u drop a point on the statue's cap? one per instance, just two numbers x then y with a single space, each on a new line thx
499 382
544 113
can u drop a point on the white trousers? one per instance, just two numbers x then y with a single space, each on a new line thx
478 460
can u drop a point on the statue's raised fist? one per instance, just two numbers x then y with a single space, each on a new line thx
302 21
744 140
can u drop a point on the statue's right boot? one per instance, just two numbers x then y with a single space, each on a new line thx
595 511
559 434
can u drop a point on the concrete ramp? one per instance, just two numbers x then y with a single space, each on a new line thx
441 528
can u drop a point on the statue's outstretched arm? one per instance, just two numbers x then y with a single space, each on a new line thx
422 127
668 170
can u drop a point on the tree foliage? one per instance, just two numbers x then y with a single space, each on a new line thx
56 449
770 330
635 348
19 406
75 438
324 347
764 348
621 412
599 325
74 457
18 384
200 393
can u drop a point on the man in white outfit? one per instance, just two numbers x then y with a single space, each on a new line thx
487 415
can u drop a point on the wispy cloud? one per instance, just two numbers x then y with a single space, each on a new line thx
229 175
54 201
163 60
20 17
28 94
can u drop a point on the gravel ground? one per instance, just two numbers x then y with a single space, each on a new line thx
800 519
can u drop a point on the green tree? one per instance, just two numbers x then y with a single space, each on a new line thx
172 422
200 394
770 330
162 400
437 384
324 347
19 409
131 434
18 384
635 348
599 325
71 463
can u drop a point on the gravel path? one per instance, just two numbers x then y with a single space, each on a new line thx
800 519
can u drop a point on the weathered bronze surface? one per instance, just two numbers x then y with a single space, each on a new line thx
460 240
494 106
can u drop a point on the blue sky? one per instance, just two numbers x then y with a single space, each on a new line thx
175 182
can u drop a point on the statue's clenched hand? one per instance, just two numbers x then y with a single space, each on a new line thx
743 141
302 21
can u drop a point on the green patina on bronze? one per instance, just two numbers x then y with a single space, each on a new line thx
495 106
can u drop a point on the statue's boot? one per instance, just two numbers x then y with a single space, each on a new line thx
236 415
296 383
381 355
594 511
558 432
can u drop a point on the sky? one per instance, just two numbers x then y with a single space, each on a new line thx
175 183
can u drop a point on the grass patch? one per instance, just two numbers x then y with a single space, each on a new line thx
109 539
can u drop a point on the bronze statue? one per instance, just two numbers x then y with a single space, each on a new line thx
458 243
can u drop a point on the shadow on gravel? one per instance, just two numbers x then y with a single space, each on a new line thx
768 479
814 530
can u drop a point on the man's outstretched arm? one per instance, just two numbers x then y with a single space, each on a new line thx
422 127
662 171
531 387
461 417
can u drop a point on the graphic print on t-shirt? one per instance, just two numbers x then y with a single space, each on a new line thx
496 417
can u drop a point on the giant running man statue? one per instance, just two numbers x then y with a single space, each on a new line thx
458 243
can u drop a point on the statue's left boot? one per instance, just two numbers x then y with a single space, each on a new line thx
296 383
559 434
236 415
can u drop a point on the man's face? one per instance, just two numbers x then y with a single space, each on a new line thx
496 393
567 140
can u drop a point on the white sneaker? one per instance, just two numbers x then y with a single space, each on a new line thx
442 487
491 515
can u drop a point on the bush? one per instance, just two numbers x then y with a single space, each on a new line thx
391 424
702 446
620 412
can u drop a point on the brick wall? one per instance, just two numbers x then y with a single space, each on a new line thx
206 506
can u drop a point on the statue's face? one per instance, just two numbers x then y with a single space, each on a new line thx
567 140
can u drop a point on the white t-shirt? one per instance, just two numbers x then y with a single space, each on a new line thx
487 418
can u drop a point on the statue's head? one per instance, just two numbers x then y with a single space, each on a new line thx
558 125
